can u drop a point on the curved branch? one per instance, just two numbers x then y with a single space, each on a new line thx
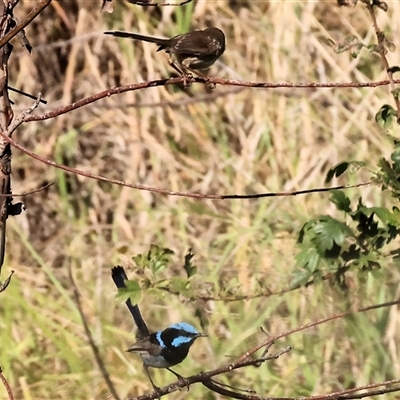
165 191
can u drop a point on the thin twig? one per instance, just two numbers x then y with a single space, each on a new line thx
6 116
5 284
169 192
30 192
25 22
147 3
30 96
6 385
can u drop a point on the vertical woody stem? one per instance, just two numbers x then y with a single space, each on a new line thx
6 116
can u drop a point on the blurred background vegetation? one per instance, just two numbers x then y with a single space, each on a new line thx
227 141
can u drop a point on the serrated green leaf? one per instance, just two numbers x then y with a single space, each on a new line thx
179 285
329 230
156 259
381 212
385 116
341 201
131 291
162 284
385 165
300 279
308 259
139 261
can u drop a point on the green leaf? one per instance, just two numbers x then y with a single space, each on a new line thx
336 171
386 116
329 231
381 212
368 262
395 93
300 278
395 156
302 233
341 168
188 266
353 253
308 259
132 291
157 259
341 201
162 284
179 285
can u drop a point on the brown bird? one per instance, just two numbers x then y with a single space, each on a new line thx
190 51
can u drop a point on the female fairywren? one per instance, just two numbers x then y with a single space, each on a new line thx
161 349
191 51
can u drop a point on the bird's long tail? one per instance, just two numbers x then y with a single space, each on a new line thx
119 277
129 35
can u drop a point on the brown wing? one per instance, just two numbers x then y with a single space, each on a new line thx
199 43
148 344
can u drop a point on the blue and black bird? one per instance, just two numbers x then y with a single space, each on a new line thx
161 349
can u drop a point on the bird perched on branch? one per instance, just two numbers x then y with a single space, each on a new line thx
190 51
161 349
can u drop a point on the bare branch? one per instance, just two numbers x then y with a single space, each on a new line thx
30 192
146 3
6 116
165 191
26 21
25 94
6 385
4 285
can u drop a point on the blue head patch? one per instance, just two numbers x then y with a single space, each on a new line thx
159 339
183 326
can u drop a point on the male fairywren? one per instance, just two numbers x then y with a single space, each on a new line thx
161 349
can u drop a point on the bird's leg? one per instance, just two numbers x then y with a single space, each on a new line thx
181 72
181 378
209 85
155 387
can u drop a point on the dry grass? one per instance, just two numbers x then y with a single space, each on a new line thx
245 141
